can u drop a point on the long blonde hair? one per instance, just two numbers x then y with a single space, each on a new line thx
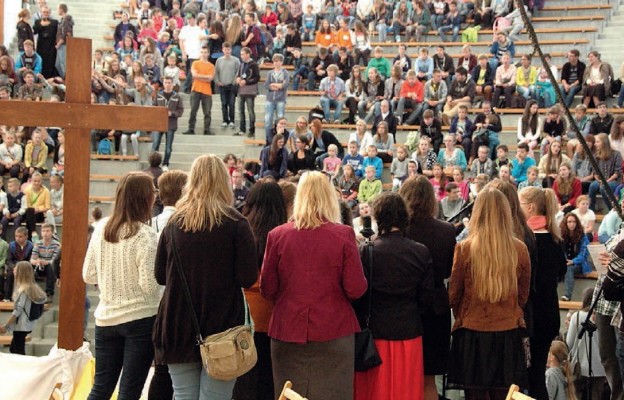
493 253
207 196
25 282
315 202
546 204
559 350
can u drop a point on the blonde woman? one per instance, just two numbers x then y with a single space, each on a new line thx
489 319
539 207
312 288
362 137
217 253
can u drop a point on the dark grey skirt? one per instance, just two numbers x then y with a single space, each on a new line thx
318 370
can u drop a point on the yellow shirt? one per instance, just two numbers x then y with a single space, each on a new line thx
202 68
40 201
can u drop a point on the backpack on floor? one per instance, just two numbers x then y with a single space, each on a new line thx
36 310
105 148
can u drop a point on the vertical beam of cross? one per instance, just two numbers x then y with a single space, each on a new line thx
75 220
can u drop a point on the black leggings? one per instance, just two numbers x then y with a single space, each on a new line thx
18 343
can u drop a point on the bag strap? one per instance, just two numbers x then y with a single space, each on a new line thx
187 292
369 250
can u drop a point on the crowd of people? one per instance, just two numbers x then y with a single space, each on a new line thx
287 229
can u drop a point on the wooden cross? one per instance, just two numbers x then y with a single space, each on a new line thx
1 21
78 116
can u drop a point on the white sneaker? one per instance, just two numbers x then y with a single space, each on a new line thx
565 298
165 168
232 126
224 125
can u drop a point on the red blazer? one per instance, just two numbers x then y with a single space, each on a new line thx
312 275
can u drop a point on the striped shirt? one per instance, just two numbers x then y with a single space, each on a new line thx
45 252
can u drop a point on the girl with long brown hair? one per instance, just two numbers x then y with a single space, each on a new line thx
274 158
120 260
567 188
549 165
610 163
575 242
489 319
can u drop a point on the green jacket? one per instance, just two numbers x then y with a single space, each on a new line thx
368 190
382 65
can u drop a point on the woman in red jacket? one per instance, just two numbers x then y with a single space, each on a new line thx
567 188
312 271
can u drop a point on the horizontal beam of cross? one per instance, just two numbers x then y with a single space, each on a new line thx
65 115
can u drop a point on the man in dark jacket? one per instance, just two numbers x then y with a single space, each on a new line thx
318 68
168 98
602 122
247 81
572 76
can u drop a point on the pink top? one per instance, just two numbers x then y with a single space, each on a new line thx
331 164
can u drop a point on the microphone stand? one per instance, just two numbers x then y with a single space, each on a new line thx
589 327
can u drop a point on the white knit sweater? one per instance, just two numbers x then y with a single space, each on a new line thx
124 273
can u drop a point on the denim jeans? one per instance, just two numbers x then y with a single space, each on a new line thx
436 21
156 136
382 28
620 99
568 282
188 82
416 110
607 344
269 108
60 63
301 72
525 92
594 187
228 100
373 111
569 96
446 28
327 104
128 346
247 101
191 382
206 102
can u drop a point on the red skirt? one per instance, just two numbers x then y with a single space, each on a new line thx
399 377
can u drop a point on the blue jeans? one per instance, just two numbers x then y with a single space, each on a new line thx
60 63
247 101
327 104
445 28
128 346
620 99
269 108
568 283
526 92
188 82
228 99
568 97
156 136
191 382
594 187
301 72
436 21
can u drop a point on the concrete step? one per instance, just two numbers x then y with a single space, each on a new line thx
103 167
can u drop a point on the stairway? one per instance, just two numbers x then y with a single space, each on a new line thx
609 41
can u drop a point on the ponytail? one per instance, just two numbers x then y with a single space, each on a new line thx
559 350
551 206
567 372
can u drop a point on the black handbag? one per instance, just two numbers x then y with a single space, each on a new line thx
366 355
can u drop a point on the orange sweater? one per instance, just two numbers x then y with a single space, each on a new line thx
417 87
324 39
342 38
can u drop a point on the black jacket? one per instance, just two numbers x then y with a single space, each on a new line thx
489 75
174 105
401 286
328 138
